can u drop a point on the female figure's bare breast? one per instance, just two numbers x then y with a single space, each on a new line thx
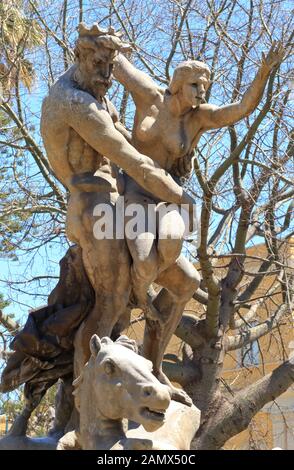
162 136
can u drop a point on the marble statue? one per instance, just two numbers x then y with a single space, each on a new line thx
122 386
168 124
97 160
85 142
122 406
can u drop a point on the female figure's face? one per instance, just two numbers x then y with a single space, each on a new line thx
194 89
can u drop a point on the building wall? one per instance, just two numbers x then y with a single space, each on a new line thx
3 425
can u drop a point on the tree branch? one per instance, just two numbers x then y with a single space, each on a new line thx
176 38
37 153
201 296
180 373
5 354
229 416
11 325
190 330
256 332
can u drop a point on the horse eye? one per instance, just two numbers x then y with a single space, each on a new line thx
109 367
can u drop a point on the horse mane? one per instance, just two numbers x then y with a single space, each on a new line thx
123 340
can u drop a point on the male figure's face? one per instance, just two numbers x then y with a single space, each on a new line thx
96 68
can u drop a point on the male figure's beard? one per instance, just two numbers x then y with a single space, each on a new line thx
97 87
100 87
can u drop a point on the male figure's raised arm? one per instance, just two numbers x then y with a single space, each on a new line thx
93 123
214 117
138 83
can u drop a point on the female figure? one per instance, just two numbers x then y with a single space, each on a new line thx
167 127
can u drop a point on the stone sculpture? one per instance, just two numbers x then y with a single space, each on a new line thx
121 385
168 124
84 140
87 147
115 385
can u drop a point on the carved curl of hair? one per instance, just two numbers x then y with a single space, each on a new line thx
94 36
127 343
184 70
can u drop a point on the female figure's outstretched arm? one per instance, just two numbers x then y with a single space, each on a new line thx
214 117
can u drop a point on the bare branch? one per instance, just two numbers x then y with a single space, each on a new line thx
190 330
256 332
232 414
11 325
180 373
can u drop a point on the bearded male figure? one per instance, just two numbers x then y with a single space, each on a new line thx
84 143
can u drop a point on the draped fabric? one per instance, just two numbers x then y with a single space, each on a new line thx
43 349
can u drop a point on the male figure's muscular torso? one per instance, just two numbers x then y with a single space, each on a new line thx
72 159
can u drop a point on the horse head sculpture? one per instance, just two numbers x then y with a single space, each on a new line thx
117 383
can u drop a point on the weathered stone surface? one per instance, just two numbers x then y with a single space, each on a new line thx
168 124
85 142
122 386
87 147
117 385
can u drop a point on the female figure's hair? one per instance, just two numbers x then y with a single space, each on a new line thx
184 70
